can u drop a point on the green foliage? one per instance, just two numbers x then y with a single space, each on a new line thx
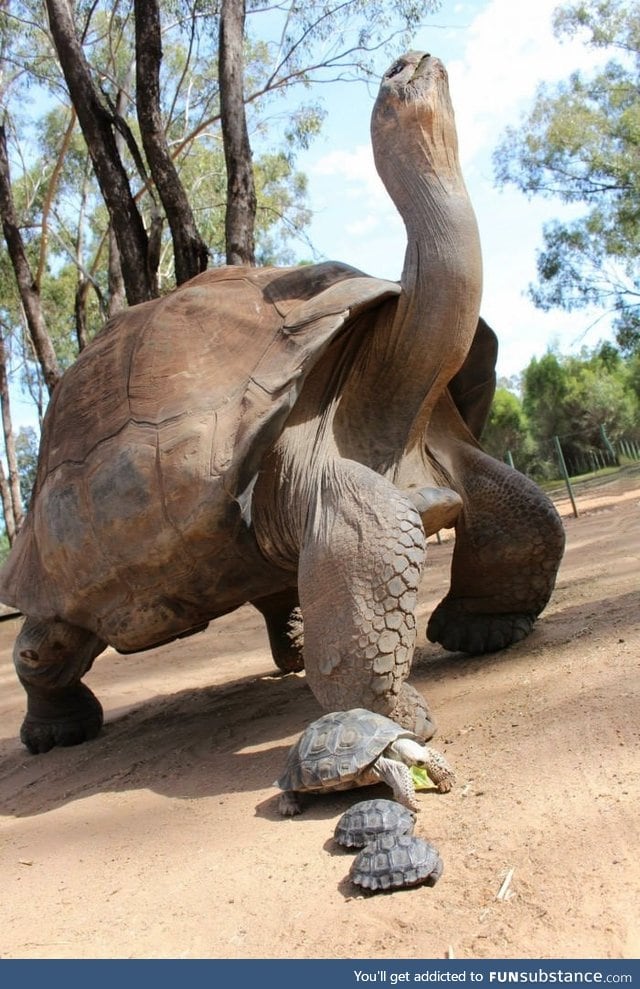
506 429
598 395
581 143
633 371
4 546
545 386
27 444
573 397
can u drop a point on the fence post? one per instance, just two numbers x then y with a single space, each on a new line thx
565 474
608 445
509 459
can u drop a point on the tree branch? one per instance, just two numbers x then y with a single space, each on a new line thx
111 175
27 287
191 255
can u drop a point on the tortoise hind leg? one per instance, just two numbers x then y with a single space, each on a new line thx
508 547
50 658
283 618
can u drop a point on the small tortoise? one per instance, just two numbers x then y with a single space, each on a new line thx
346 749
369 818
394 861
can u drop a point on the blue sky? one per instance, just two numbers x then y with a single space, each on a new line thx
496 52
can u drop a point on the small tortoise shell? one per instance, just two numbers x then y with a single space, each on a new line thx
396 861
369 818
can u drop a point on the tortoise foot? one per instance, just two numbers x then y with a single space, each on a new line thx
290 662
459 630
289 804
412 712
283 618
64 717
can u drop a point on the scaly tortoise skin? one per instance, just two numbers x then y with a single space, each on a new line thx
367 819
396 861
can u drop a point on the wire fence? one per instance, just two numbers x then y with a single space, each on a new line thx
573 461
586 460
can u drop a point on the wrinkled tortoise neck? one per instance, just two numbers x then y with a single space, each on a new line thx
438 309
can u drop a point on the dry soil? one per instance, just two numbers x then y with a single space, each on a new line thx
161 838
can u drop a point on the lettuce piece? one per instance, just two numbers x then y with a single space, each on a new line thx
421 780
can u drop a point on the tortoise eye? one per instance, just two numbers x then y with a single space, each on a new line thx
395 69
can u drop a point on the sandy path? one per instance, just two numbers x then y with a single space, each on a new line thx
160 838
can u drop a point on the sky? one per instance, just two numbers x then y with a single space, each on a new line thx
496 53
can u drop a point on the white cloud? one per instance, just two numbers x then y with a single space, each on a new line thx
508 50
357 174
370 224
355 220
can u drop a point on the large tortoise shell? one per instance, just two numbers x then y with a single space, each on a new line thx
151 442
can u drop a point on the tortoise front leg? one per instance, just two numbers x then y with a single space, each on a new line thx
398 776
360 563
50 659
289 803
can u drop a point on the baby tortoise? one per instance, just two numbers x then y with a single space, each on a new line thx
394 861
369 818
346 749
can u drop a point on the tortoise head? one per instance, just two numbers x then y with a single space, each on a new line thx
413 126
409 751
412 753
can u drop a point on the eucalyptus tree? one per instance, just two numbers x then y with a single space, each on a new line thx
580 397
581 143
507 431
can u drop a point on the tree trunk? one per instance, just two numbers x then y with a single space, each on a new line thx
241 194
96 123
29 291
190 252
7 508
14 497
117 295
80 309
83 283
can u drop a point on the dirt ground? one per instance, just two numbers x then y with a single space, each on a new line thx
161 839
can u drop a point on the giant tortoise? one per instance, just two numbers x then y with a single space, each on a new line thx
286 437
